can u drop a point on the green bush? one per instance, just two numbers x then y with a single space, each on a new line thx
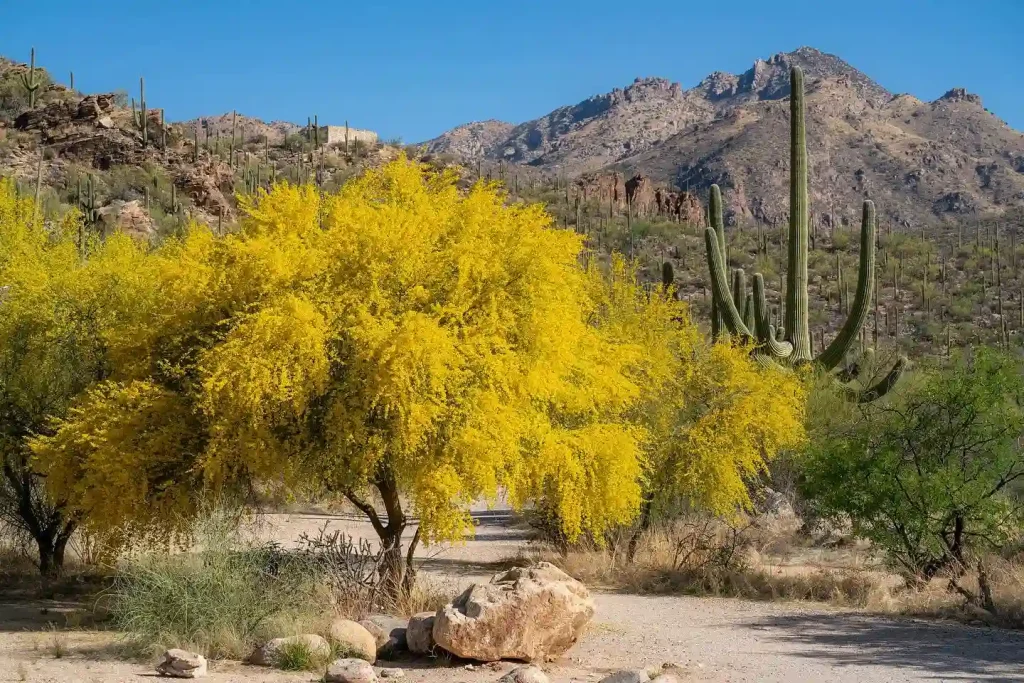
926 474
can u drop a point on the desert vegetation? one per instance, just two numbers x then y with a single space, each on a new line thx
402 340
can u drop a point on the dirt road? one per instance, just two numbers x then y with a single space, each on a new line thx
713 639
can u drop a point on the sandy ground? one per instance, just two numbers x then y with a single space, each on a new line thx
713 639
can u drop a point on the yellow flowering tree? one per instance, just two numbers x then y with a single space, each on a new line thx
63 307
413 348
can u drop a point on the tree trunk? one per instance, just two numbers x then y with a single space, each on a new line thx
52 544
396 573
641 529
44 521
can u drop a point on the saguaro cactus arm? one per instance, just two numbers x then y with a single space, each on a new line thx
718 225
768 343
720 287
841 345
879 389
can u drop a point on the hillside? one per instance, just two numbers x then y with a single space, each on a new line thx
920 161
151 184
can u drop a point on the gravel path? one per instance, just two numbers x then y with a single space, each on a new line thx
713 639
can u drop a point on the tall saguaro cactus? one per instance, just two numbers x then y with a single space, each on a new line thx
799 217
792 343
30 82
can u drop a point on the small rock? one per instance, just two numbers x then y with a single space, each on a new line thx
353 639
419 635
524 674
627 676
182 664
350 671
391 673
269 654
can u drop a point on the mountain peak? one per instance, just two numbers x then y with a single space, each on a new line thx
960 95
768 79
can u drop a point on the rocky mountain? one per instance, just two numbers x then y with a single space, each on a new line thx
920 161
248 128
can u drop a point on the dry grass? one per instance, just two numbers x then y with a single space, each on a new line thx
428 595
707 558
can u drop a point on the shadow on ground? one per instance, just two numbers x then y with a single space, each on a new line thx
946 652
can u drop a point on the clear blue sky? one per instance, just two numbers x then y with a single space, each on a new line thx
414 69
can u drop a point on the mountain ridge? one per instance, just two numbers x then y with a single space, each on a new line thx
920 159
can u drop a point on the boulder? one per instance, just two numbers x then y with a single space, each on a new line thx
419 634
350 671
526 613
182 664
269 654
524 674
353 639
396 643
131 218
381 626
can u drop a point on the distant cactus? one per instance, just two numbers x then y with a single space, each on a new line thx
231 154
668 276
87 201
140 115
791 342
30 82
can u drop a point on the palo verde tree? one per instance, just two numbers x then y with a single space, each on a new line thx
63 307
412 348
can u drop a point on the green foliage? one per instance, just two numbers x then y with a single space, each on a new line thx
925 474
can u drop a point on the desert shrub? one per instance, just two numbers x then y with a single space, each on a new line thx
222 600
925 474
702 555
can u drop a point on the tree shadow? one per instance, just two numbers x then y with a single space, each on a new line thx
945 652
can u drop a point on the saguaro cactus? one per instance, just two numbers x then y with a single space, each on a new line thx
30 82
141 115
792 343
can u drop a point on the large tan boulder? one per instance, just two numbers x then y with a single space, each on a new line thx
353 639
524 613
